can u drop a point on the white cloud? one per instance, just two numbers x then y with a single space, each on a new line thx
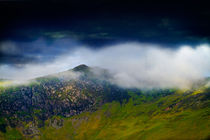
132 64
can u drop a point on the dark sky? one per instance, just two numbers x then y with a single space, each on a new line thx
36 31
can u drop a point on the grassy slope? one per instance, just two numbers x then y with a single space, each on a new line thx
177 116
138 120
12 134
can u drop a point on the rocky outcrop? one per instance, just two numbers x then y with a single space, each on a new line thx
31 131
53 96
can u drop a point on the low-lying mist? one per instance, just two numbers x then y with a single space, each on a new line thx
132 65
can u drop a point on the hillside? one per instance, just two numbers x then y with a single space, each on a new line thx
174 116
80 104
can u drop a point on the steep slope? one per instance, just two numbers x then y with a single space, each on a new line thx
181 115
82 104
64 94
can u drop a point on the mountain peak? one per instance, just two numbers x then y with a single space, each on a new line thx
81 68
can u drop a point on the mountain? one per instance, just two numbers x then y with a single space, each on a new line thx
81 68
82 104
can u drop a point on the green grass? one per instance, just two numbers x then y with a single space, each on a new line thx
181 115
130 121
11 134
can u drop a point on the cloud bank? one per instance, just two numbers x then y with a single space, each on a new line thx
133 65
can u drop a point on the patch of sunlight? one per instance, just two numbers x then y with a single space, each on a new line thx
197 92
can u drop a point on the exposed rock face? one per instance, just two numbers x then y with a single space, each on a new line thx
31 131
54 96
56 123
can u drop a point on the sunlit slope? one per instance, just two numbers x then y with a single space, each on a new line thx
153 114
90 107
4 83
177 116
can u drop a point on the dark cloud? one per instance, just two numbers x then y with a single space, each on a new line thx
38 51
105 20
16 59
38 31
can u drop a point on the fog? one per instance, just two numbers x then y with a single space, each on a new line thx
132 64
